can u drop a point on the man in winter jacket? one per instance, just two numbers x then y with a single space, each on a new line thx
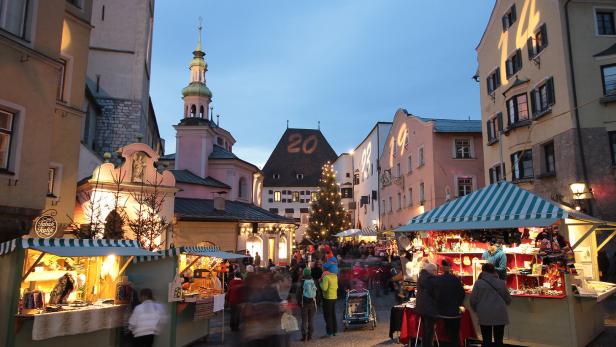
449 299
426 303
329 285
495 256
146 319
489 300
306 299
235 297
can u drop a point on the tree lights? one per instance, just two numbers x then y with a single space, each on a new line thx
327 215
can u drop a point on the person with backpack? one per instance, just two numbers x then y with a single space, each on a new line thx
489 299
306 299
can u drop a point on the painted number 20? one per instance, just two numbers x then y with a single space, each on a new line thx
297 143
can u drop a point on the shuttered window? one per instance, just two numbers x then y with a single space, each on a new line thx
542 98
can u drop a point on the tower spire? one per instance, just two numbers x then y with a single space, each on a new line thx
199 29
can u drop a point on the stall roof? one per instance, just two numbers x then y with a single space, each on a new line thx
76 247
497 206
214 252
347 233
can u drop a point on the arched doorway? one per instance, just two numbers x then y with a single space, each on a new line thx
283 253
254 244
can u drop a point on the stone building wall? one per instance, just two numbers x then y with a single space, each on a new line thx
120 123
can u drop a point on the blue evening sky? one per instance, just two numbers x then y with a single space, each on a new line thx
346 63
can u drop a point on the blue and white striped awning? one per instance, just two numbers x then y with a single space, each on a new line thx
76 247
497 206
366 232
214 252
347 233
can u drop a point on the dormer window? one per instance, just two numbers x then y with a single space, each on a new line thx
276 176
299 176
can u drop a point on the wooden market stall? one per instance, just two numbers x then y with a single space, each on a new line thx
64 292
564 300
186 278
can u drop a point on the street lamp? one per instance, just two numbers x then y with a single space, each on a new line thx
579 190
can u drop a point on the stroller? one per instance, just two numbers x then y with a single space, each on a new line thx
358 309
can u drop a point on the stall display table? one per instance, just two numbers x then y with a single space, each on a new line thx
410 324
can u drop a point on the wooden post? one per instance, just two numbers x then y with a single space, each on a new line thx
123 268
38 260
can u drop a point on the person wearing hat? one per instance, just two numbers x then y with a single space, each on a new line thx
496 256
306 299
449 299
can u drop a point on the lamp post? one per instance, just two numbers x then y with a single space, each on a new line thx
580 192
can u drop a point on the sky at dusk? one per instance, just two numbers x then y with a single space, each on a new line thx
345 63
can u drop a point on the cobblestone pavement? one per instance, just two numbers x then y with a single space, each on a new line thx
364 337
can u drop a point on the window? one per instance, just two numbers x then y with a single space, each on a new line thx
612 137
494 126
15 17
219 141
356 178
410 197
276 176
383 207
465 186
495 173
517 109
242 190
398 171
295 196
273 210
51 180
514 63
399 201
299 176
463 148
509 18
277 196
421 157
61 80
608 76
522 165
542 98
422 193
348 175
605 22
347 193
6 134
409 163
76 3
549 159
537 43
493 81
391 208
314 196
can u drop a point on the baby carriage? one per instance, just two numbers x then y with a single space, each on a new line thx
358 309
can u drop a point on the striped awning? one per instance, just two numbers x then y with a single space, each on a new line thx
499 205
366 232
347 233
76 247
214 252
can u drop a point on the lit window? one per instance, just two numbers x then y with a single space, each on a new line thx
463 148
608 76
314 196
465 186
517 109
295 196
522 165
6 134
277 196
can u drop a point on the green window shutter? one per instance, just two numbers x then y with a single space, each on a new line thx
551 97
531 48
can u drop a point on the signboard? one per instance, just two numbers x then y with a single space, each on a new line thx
46 226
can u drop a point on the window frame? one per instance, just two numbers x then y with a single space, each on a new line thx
494 126
314 196
519 165
603 10
10 133
495 173
517 121
470 148
611 136
493 81
409 162
513 62
421 156
539 106
603 81
26 30
422 193
458 185
295 196
511 16
546 162
277 196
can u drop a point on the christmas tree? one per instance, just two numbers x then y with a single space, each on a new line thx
327 215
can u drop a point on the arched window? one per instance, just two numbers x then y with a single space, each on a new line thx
193 110
241 193
282 248
201 111
254 245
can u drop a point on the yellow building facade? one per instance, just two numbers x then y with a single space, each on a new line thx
547 71
44 55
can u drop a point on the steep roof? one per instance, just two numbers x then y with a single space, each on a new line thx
235 211
185 176
454 125
220 153
299 151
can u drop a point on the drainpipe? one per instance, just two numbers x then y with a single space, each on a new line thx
575 104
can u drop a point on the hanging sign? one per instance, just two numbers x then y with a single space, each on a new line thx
46 226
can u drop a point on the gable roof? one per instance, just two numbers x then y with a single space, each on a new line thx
235 211
454 125
219 153
299 151
185 176
498 206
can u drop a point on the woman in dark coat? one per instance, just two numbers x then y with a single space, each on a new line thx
449 298
426 303
489 300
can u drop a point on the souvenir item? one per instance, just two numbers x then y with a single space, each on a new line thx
62 290
467 261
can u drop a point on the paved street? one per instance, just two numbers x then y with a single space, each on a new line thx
363 336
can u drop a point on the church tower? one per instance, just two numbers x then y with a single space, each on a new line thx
197 96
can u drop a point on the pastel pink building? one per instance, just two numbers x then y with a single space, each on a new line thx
425 163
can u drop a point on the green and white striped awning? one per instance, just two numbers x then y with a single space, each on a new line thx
76 247
214 252
497 206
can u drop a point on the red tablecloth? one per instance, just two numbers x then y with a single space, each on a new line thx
410 322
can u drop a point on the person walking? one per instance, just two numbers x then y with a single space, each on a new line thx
235 297
329 285
257 259
146 320
449 300
306 299
426 303
489 299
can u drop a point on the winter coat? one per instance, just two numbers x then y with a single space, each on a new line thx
299 295
489 300
499 260
449 295
329 285
235 294
146 319
426 295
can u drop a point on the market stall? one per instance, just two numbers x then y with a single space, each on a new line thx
187 279
546 270
64 292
